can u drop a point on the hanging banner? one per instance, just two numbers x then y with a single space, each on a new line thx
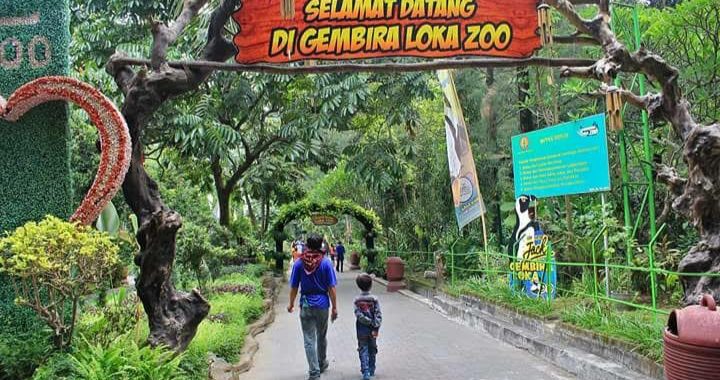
468 200
357 29
532 266
569 158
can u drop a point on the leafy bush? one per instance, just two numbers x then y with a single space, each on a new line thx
103 325
62 260
224 336
57 367
124 359
22 353
195 251
13 317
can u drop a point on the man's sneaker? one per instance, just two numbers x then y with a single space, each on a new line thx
324 366
372 373
366 376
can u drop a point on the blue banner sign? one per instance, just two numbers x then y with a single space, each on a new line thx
569 158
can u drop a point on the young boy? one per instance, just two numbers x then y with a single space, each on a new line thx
367 325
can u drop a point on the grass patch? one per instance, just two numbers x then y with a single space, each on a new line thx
640 329
225 336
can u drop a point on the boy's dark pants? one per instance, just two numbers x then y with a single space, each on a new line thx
367 348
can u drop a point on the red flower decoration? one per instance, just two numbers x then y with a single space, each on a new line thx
114 134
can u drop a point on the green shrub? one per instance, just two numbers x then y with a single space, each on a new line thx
15 318
226 335
22 353
61 260
103 325
124 359
57 367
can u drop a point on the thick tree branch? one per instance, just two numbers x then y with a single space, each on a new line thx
164 35
669 176
250 159
576 39
365 67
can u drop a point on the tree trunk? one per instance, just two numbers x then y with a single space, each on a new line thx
491 121
173 316
525 116
224 206
251 212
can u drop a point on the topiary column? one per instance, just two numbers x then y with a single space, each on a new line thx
34 152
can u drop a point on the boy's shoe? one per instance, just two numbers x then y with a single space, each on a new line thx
366 376
324 366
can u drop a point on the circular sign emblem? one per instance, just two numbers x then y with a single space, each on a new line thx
466 189
524 143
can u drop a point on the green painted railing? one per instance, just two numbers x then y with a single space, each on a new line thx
490 264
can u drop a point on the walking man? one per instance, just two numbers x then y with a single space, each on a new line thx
314 277
340 253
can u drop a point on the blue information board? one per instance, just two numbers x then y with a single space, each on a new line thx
569 158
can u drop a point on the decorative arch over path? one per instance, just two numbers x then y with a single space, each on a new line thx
305 208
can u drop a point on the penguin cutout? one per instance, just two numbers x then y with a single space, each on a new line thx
525 225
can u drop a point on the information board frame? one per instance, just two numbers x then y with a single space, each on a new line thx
577 150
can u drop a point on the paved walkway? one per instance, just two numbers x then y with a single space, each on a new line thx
415 343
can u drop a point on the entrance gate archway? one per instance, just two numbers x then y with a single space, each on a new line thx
306 208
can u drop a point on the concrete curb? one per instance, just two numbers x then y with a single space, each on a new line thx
571 349
407 293
222 370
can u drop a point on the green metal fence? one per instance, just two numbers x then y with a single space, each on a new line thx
489 265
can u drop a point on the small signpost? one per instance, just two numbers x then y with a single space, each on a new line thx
34 152
323 220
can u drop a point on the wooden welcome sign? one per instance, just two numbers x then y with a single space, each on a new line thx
323 220
356 29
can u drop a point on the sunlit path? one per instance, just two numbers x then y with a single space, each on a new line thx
415 343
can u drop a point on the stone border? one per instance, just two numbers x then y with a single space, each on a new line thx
580 352
222 370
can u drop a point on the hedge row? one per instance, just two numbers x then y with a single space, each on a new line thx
34 153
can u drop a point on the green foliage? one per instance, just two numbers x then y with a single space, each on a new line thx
197 255
34 152
304 208
106 323
61 260
640 329
373 263
57 367
124 359
15 318
224 336
22 352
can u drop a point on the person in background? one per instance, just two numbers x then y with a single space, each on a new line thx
313 276
367 325
340 256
